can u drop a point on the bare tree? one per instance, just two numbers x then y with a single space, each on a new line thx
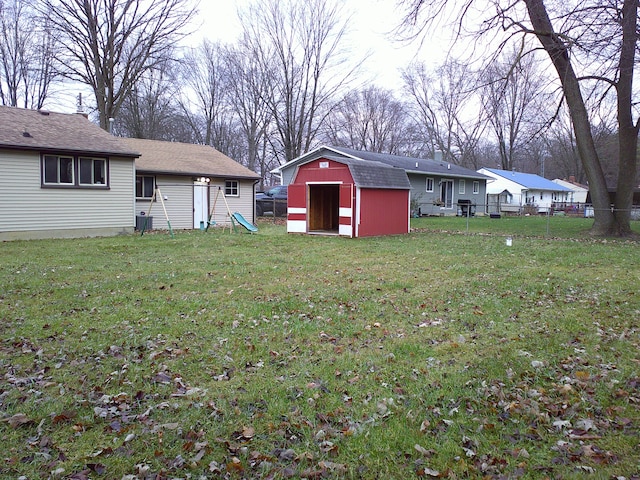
248 87
370 119
27 48
515 102
205 98
110 44
149 110
598 37
298 44
448 107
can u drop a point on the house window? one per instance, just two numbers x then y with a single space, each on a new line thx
462 185
476 187
58 170
64 171
430 184
93 171
231 188
145 185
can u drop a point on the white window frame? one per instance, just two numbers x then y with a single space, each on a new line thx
47 159
231 188
462 186
476 187
430 184
142 184
97 177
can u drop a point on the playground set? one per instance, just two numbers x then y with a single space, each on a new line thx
234 218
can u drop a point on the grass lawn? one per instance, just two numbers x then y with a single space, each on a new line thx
218 355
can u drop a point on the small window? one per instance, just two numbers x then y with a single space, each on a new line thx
462 186
430 184
145 185
58 170
476 187
231 188
92 171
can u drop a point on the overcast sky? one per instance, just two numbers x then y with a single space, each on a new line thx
369 32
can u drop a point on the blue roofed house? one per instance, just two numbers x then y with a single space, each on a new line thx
515 192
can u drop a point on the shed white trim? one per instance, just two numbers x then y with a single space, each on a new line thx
296 226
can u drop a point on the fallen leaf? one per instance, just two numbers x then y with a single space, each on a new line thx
17 420
582 375
99 468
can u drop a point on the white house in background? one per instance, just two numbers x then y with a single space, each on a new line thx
515 192
578 191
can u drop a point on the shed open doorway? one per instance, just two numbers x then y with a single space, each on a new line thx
324 208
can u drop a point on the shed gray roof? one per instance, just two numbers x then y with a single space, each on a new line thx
24 129
371 174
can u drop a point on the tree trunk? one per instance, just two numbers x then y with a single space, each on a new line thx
605 222
627 131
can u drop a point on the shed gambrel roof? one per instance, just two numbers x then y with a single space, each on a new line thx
421 166
370 174
67 133
529 181
187 159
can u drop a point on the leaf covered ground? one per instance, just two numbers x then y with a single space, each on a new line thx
222 355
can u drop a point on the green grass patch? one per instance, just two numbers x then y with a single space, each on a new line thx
218 355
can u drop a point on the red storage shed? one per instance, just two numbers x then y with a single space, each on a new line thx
334 195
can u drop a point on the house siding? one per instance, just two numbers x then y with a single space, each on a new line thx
244 203
178 191
426 201
30 211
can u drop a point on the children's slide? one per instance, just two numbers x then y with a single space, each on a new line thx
237 216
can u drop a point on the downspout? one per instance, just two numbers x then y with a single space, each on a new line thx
255 219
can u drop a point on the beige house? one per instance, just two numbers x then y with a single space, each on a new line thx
62 176
193 180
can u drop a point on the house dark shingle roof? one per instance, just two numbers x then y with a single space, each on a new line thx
408 164
23 129
412 164
185 159
372 174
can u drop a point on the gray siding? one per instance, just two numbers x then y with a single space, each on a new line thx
58 212
426 200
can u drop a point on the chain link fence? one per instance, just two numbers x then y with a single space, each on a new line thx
557 219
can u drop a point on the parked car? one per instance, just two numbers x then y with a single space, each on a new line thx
273 200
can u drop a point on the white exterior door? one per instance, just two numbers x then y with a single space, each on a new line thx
200 204
446 193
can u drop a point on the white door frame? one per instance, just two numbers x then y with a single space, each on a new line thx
200 203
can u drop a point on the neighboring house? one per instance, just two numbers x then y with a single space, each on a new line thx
62 176
579 192
336 195
193 179
515 192
437 187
